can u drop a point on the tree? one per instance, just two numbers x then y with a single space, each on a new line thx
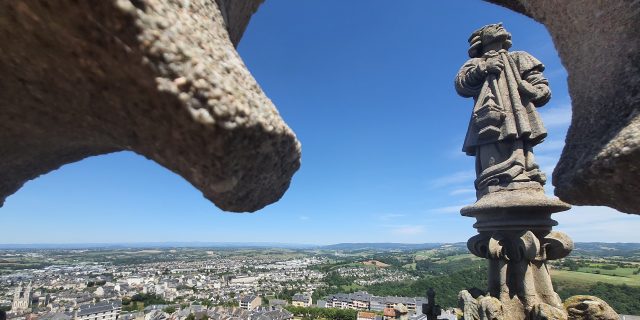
169 309
207 303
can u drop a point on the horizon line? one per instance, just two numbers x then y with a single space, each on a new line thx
213 244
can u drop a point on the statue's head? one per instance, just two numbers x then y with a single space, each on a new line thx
492 33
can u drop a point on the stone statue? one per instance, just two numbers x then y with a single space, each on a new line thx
513 214
507 87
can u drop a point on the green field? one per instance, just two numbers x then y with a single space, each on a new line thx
620 272
351 288
410 266
425 254
460 257
584 278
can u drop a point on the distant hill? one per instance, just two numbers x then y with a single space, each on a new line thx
382 246
599 249
603 249
158 245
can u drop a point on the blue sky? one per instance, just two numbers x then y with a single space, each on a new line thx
368 89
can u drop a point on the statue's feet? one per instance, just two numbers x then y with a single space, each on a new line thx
491 309
543 311
475 306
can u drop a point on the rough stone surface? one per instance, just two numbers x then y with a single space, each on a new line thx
157 77
469 305
491 309
598 43
589 308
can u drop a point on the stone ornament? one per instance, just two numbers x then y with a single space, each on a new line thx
589 308
513 214
480 307
469 305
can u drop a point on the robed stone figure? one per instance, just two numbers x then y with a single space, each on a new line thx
507 87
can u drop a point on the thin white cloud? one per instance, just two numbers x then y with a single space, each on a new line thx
598 224
304 218
407 230
460 177
585 215
556 115
447 209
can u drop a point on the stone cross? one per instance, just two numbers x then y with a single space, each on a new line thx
431 309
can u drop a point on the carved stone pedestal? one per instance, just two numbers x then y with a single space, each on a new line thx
515 236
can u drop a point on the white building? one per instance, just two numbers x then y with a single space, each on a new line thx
134 281
250 302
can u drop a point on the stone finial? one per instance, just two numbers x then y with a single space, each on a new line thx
513 214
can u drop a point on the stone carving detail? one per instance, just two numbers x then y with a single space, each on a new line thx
518 274
491 309
469 305
546 312
480 307
589 308
513 214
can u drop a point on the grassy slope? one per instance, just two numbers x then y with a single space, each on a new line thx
584 278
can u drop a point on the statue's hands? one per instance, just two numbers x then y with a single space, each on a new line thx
495 65
492 65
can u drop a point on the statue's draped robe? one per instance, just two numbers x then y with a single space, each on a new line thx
505 124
